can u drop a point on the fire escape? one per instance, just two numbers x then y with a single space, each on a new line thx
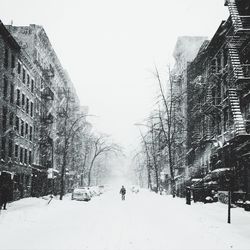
201 130
212 106
239 74
236 112
47 119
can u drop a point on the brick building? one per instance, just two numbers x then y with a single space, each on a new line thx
186 49
18 95
32 83
218 138
53 83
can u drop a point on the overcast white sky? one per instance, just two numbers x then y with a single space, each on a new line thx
109 48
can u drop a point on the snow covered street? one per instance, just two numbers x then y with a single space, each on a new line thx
144 221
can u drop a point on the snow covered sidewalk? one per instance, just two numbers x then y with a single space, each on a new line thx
144 221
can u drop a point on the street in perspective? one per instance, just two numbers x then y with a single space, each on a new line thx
124 125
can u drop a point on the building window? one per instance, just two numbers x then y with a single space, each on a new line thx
10 148
25 156
5 87
11 93
30 157
19 68
17 124
4 122
3 148
18 97
6 57
21 154
27 105
28 80
26 129
32 86
13 61
23 100
16 152
31 109
37 106
31 133
22 128
24 75
11 122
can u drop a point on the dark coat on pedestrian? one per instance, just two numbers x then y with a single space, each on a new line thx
123 190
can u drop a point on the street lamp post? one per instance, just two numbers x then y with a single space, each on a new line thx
230 190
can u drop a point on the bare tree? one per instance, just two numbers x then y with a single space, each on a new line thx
100 146
151 145
141 169
71 123
146 151
171 122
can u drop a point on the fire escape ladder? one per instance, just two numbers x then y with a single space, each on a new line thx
234 13
209 95
237 41
209 106
236 112
235 59
209 100
196 135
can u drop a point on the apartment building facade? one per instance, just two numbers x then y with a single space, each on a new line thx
186 49
218 111
18 96
33 84
56 89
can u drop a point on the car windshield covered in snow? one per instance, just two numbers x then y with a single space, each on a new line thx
81 193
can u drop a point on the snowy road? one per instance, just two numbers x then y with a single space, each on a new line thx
143 222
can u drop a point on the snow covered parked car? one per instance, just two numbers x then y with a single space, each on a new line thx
95 190
135 189
101 189
81 194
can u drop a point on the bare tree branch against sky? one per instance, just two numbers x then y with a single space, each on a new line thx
109 47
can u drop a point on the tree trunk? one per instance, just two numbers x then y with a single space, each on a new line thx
63 177
63 169
149 178
89 178
157 179
90 170
171 171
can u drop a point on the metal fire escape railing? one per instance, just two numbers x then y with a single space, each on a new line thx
240 22
47 118
241 27
234 13
237 67
236 112
198 113
47 94
212 104
49 72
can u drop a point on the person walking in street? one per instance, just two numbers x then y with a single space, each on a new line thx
4 196
188 196
123 192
